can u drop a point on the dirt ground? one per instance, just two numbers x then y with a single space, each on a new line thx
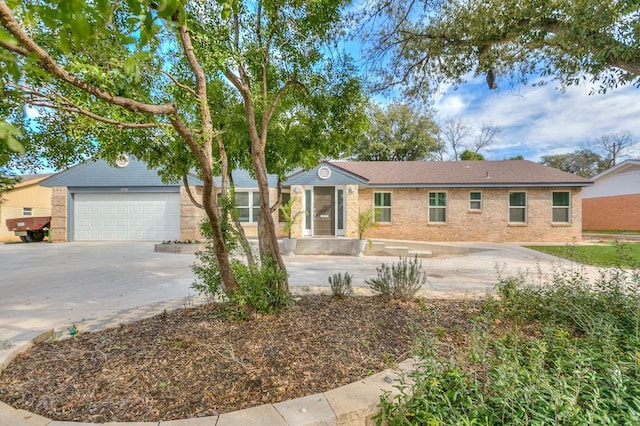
197 362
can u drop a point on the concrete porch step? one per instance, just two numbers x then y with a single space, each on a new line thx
385 250
420 253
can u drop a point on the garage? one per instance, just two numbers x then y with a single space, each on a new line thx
132 216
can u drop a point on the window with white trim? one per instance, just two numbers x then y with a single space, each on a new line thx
517 207
248 205
27 211
561 210
437 207
475 200
382 207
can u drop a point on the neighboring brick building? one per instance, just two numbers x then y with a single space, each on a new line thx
613 202
500 201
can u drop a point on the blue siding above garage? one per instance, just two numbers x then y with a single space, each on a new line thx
99 174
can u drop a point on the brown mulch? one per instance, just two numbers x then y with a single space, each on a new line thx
196 362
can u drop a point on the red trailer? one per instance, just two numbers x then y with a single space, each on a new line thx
30 229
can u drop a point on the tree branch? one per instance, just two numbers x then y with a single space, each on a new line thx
180 85
276 99
185 181
48 64
59 102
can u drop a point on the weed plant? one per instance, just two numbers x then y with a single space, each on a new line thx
565 353
341 285
400 280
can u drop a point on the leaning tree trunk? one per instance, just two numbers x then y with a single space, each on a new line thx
267 238
229 283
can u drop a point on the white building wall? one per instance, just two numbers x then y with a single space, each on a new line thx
626 182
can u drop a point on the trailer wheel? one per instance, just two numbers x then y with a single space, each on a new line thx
24 239
34 236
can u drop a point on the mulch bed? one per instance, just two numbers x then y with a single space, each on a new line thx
196 362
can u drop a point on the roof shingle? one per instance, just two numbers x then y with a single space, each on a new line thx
460 173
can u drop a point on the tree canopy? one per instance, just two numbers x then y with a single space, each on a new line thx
398 133
470 155
424 43
583 163
207 85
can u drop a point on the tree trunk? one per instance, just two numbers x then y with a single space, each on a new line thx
267 238
222 256
209 201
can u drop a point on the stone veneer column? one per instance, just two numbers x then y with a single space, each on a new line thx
59 218
352 200
190 216
298 206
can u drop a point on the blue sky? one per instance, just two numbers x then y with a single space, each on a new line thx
543 120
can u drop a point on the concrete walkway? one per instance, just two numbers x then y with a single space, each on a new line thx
46 286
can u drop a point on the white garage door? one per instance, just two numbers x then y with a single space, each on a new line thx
127 217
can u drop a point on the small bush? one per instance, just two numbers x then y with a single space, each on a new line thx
401 280
341 285
260 286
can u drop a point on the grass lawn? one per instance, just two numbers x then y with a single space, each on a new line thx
612 232
623 255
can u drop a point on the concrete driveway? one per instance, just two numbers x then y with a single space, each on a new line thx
44 286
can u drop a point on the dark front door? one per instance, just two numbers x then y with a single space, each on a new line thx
323 200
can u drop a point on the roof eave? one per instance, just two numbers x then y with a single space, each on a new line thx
483 185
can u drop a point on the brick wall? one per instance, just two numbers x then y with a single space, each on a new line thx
190 216
409 216
611 213
59 196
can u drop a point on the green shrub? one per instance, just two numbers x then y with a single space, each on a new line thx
611 302
401 280
260 286
341 285
565 353
208 279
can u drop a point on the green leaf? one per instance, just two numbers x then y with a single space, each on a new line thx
14 145
81 28
226 11
130 66
135 6
64 41
5 37
167 8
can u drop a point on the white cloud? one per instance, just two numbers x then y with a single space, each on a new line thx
541 120
32 112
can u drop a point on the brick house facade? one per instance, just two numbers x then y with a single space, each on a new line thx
498 201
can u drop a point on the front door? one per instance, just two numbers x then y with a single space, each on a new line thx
323 218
